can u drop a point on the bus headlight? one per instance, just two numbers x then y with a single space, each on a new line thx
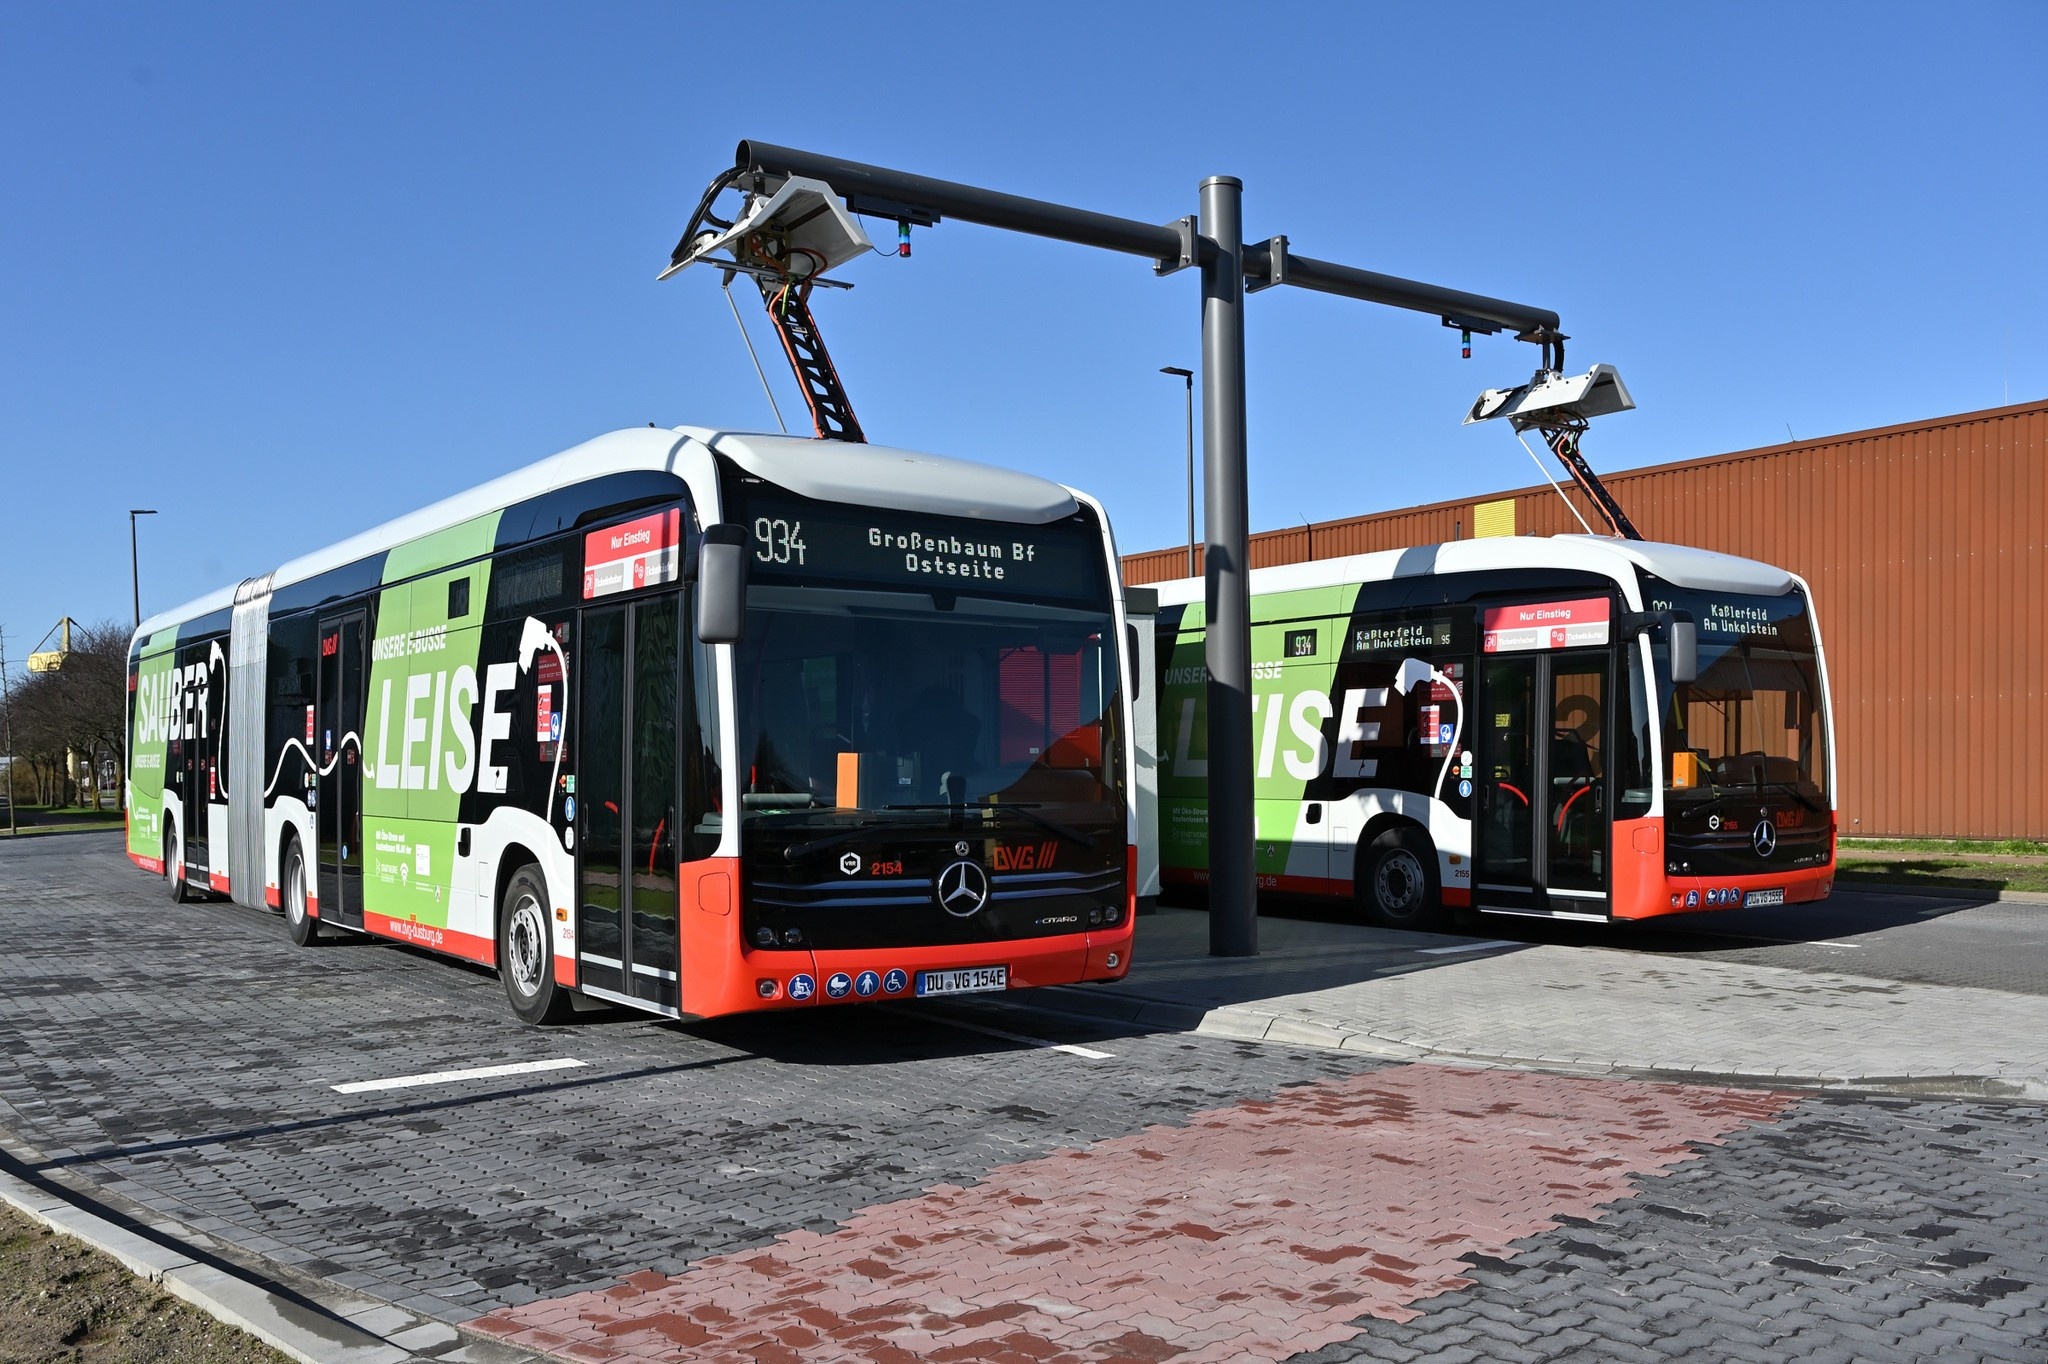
765 937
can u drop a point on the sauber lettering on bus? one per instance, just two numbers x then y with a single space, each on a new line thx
174 703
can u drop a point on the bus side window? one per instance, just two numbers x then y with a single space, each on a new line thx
697 737
1630 759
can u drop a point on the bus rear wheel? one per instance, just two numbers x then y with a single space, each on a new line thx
1397 881
526 958
174 871
305 929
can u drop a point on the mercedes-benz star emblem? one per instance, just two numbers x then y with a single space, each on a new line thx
960 848
961 889
850 864
1764 838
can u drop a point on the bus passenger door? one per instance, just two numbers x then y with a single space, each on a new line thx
197 716
626 811
1543 805
1580 811
1509 787
339 818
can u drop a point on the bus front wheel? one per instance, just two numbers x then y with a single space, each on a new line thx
1397 882
526 959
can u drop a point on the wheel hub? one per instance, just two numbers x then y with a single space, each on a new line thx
523 946
1399 881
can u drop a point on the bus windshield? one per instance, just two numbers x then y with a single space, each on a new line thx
1755 718
866 701
896 666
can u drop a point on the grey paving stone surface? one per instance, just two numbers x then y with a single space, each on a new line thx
186 1054
182 1056
1858 1229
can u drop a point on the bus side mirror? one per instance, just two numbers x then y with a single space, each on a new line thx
1685 650
721 584
1137 673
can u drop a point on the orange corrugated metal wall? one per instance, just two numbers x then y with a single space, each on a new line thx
1924 546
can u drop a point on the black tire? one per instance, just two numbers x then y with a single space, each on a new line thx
174 871
292 888
1397 881
526 958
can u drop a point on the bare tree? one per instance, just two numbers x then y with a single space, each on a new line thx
81 708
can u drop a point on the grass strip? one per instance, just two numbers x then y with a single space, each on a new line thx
1944 873
2010 847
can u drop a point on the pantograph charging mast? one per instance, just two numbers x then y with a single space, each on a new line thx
796 223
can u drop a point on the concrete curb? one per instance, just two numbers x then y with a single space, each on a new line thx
1245 1023
352 1330
2007 897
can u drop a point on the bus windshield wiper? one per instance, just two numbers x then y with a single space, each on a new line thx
1052 826
1791 789
829 840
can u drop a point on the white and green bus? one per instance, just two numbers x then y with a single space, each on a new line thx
1571 727
686 720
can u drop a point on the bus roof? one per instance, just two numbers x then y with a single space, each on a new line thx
1679 565
865 475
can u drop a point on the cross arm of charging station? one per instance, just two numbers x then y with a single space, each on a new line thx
1211 241
881 192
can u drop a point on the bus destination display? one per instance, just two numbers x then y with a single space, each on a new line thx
809 542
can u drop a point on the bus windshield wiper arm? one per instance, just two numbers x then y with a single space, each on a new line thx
831 840
1792 789
1072 835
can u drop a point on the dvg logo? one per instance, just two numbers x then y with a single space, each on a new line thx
962 889
1764 838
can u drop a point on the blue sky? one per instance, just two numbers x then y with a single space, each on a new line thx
285 271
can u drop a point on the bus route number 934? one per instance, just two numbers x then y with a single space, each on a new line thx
778 541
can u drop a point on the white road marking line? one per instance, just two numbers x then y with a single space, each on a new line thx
1068 1047
1465 947
442 1077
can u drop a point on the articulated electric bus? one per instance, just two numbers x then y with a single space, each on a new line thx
1571 727
684 720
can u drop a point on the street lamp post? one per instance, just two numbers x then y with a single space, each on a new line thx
1188 377
135 585
135 573
7 719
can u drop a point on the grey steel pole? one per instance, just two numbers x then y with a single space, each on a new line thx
1233 879
135 584
7 713
1191 474
1187 376
134 570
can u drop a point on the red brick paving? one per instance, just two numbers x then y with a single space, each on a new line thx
1253 1232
